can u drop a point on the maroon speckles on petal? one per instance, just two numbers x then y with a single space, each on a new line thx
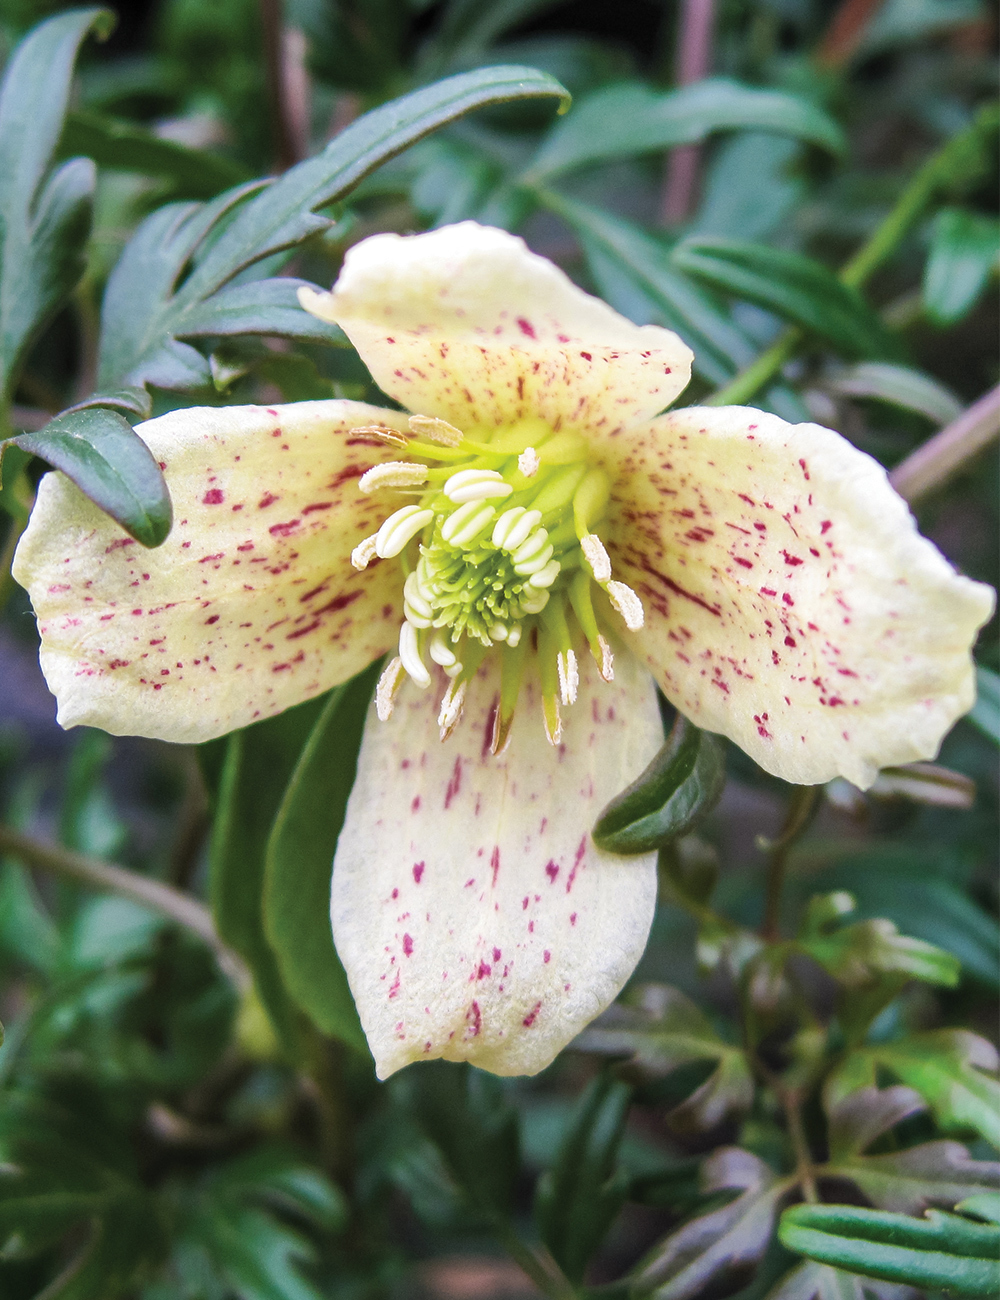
793 560
407 946
268 499
418 871
213 618
532 1015
285 529
213 497
526 327
552 871
474 1018
454 784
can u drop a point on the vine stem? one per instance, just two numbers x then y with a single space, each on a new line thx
801 808
172 903
879 246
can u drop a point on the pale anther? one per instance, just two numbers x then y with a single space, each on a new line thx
453 669
628 604
441 652
530 547
399 528
416 609
475 485
393 474
513 527
499 632
514 635
409 654
545 577
596 556
393 675
527 568
383 434
467 523
607 660
569 676
451 708
428 426
364 552
534 599
528 462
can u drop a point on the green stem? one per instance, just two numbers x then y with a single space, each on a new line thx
960 158
800 813
538 1265
172 903
803 1156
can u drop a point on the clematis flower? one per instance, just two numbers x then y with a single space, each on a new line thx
538 547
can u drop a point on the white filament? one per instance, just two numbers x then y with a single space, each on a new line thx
399 528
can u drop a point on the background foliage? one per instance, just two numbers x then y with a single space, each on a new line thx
797 1096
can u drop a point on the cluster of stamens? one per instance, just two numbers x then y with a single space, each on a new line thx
505 556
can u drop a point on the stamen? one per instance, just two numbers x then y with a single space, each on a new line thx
607 664
529 549
428 426
399 528
514 526
627 603
569 676
409 654
467 522
514 636
533 601
528 568
452 704
416 609
528 462
499 632
365 552
545 577
596 556
379 431
393 474
476 485
441 652
393 675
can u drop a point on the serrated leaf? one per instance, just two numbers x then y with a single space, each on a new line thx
630 118
941 1251
933 1173
812 1281
259 307
259 764
579 1198
900 385
663 1032
797 288
727 1243
964 253
192 173
44 213
860 1118
148 302
98 449
299 863
676 791
858 954
985 713
952 1069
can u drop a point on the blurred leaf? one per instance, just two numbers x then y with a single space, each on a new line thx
98 449
795 287
964 252
299 862
723 1246
982 1205
667 1030
910 1180
985 713
902 22
750 186
27 932
149 303
946 1066
579 1198
941 1251
260 761
812 1281
44 213
859 953
193 173
675 792
465 1114
633 118
910 389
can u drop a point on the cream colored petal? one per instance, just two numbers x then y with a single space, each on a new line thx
790 601
251 604
474 915
466 324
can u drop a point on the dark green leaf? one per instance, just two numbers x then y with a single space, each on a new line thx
678 789
299 862
797 288
98 449
985 713
259 307
664 1031
965 251
632 118
579 1198
147 304
982 1205
130 401
193 173
911 389
44 214
723 1245
259 764
941 1251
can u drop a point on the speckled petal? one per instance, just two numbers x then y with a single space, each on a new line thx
251 604
474 915
466 324
791 603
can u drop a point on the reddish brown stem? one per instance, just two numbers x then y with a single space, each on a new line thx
694 56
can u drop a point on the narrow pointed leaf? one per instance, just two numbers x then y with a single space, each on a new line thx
911 389
98 449
299 863
965 251
941 1251
678 789
985 713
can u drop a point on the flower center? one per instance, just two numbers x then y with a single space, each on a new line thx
500 552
